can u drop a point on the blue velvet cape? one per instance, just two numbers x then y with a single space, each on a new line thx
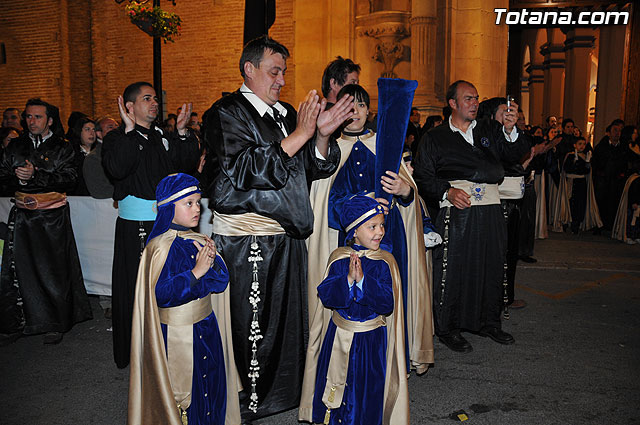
177 286
363 398
357 175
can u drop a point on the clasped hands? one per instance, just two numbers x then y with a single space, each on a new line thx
25 172
205 257
355 269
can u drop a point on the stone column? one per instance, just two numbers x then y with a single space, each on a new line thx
384 31
578 46
553 65
536 94
524 98
423 55
610 76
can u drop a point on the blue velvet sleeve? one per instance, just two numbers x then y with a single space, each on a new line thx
176 284
427 224
377 288
337 196
406 201
217 278
376 293
334 290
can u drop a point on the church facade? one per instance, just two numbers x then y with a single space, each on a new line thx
81 54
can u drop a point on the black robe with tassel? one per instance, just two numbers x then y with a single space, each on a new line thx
41 285
257 176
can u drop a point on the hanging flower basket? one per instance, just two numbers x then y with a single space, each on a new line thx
155 21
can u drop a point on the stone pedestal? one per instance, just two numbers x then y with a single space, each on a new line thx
383 32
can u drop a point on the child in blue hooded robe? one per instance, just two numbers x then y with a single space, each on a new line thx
357 375
179 371
409 230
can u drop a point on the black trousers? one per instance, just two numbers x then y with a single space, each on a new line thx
578 203
511 211
528 221
129 242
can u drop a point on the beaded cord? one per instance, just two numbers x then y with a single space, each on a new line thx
255 334
142 234
445 247
505 298
16 284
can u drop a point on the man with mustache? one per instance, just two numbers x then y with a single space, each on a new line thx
460 164
136 156
268 154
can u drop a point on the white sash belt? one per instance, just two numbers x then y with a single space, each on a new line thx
481 193
512 188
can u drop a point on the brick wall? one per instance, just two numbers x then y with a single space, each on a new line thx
81 54
34 61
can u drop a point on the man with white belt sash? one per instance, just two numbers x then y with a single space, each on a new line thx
136 157
460 164
511 192
268 157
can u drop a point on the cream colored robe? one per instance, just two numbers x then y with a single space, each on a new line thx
151 398
324 240
396 391
620 225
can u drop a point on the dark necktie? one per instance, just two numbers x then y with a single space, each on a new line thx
277 116
278 119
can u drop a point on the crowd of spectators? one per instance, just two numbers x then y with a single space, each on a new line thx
85 135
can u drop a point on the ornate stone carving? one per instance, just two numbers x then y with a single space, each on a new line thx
389 28
390 54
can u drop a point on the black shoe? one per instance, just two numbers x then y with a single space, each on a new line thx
498 335
456 342
527 259
52 337
6 339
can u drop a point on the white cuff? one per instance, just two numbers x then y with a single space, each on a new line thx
511 137
319 155
432 239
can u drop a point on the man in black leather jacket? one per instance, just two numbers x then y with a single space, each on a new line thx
41 286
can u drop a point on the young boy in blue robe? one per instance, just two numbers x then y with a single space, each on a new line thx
358 374
409 230
179 355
